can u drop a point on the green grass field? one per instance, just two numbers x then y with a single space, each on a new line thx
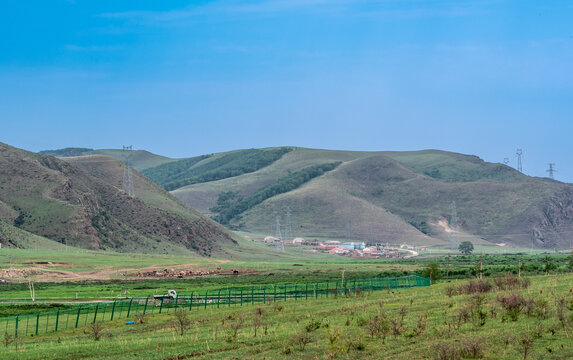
417 323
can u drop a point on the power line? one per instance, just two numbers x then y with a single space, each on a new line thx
127 178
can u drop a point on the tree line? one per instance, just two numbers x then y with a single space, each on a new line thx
229 204
185 172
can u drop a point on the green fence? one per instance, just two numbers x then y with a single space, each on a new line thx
84 314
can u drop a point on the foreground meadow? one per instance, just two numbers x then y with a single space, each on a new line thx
499 318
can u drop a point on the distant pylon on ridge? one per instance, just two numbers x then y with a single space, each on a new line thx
127 178
519 152
551 170
506 161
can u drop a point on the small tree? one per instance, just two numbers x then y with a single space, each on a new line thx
181 322
466 247
570 261
433 271
548 265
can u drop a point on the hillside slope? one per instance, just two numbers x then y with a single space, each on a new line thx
60 201
402 197
138 159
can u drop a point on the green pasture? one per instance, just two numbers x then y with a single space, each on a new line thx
416 323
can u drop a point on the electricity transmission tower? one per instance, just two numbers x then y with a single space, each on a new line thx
454 242
551 170
278 243
127 179
505 161
348 230
287 227
519 152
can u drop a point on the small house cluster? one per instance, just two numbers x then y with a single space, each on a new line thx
349 249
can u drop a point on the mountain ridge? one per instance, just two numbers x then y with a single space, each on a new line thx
58 200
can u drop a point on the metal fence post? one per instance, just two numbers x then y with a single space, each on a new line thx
57 319
95 313
112 310
129 308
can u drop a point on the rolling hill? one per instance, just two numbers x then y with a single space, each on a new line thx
395 197
138 159
79 202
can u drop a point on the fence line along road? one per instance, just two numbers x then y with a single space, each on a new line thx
84 314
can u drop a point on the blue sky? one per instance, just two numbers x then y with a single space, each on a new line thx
183 78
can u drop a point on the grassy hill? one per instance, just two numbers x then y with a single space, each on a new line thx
400 197
138 159
59 200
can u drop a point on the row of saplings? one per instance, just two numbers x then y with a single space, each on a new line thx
508 306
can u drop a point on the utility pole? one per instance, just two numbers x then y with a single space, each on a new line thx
127 179
288 229
551 170
448 269
278 243
519 153
454 243
481 266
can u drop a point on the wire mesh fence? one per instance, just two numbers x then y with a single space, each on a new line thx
84 314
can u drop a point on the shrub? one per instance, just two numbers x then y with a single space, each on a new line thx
446 351
313 325
421 325
232 328
302 339
513 304
473 348
258 319
451 291
94 331
140 317
476 287
355 344
378 326
523 344
511 282
8 339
